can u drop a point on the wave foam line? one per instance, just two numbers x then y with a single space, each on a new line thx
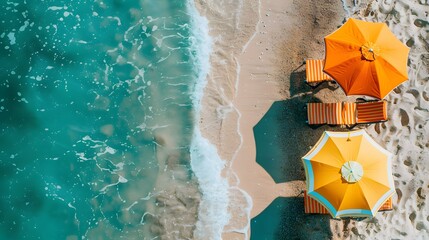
213 212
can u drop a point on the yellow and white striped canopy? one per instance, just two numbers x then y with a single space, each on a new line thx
349 173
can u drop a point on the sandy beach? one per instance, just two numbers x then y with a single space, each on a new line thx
258 51
186 119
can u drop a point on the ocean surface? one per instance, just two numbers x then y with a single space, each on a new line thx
99 137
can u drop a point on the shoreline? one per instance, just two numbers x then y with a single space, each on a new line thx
230 29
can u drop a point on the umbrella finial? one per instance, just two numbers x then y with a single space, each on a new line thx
370 51
351 171
348 137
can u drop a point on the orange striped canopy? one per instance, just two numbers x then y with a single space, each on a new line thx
349 174
366 58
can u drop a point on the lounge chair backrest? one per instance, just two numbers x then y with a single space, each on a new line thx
370 112
314 71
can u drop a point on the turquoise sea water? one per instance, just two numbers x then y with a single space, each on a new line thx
98 107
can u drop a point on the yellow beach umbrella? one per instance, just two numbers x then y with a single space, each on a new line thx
349 174
366 58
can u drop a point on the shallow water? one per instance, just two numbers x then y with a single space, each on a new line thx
98 104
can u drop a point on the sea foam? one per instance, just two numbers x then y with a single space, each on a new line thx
205 162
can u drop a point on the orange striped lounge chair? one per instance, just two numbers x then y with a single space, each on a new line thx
312 206
314 73
347 113
334 114
371 112
387 205
331 113
316 113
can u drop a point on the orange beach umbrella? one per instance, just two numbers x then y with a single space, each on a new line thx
349 174
366 58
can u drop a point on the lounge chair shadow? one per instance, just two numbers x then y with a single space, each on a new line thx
285 219
282 137
298 85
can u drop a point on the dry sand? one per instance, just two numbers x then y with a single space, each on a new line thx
258 49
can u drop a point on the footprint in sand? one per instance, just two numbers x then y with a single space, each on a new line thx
405 119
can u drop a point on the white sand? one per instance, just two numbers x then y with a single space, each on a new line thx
257 45
406 134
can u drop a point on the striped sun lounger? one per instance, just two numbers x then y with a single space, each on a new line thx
334 114
370 112
312 206
387 206
314 72
347 113
331 113
316 113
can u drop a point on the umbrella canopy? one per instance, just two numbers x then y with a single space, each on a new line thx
366 58
349 174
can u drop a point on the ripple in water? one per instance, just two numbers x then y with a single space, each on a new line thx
98 102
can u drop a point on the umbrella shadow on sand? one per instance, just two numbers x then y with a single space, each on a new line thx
282 137
280 222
